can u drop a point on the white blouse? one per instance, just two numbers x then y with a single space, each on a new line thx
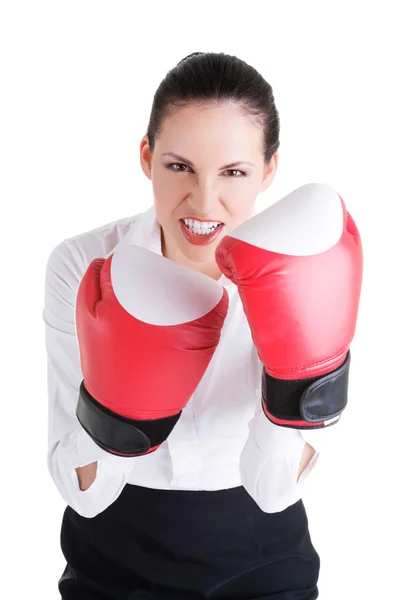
222 439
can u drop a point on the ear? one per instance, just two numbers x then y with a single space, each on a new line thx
269 172
145 156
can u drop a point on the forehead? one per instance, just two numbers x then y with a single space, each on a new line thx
220 125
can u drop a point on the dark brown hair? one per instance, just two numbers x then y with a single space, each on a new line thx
208 77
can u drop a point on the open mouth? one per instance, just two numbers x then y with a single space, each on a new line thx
200 235
202 230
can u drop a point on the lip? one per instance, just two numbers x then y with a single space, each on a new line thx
200 240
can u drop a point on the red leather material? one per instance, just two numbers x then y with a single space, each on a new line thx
135 369
302 310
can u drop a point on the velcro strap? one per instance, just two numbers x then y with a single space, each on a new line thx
314 402
117 434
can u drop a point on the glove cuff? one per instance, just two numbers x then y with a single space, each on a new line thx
120 435
311 403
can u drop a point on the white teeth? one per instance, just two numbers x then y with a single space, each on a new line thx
201 228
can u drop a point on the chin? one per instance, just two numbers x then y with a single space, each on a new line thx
199 255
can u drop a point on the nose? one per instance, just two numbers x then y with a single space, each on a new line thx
203 201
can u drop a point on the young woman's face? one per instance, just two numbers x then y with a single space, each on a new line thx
194 182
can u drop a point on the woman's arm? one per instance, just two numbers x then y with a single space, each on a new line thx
276 462
306 457
88 478
86 475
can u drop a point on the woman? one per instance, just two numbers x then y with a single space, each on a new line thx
185 521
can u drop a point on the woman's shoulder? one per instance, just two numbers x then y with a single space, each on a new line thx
72 256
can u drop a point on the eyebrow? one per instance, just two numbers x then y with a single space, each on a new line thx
188 162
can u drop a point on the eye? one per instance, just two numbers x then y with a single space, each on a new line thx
171 165
242 173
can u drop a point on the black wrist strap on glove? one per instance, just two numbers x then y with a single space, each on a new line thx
316 400
120 435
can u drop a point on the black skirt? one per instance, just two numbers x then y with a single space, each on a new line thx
187 545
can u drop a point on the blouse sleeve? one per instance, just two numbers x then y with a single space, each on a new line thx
270 459
69 446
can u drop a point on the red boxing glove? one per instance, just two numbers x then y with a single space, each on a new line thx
147 329
298 269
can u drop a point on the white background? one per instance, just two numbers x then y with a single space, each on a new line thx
77 82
